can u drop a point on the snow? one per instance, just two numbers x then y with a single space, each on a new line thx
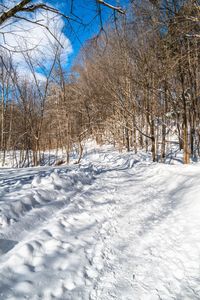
117 226
15 159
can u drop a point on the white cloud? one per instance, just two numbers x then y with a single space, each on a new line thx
27 38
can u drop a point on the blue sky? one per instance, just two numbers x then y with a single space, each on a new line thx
87 11
22 35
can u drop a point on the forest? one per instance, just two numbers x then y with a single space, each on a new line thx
100 149
136 85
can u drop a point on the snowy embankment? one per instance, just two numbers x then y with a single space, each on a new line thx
115 227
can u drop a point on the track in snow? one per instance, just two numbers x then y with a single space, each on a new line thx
155 251
118 228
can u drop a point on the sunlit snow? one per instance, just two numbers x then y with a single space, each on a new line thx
114 227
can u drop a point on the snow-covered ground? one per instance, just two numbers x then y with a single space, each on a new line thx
17 159
114 227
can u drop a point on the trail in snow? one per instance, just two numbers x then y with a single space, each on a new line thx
115 227
155 251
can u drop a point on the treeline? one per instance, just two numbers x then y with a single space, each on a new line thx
137 85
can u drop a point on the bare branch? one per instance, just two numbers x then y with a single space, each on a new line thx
115 8
12 12
23 7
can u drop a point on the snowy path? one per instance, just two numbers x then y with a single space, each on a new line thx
116 228
155 252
